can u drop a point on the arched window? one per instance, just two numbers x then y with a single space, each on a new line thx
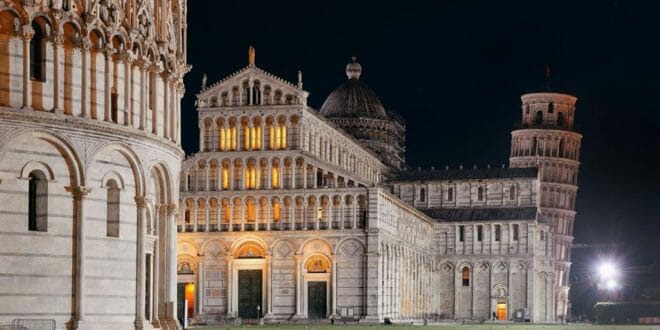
466 276
512 193
225 178
560 119
539 118
551 107
275 177
561 148
422 195
37 71
112 209
38 202
534 145
450 194
480 193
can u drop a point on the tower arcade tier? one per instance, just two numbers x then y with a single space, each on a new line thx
546 139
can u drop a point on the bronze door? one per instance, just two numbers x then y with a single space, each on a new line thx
317 300
249 294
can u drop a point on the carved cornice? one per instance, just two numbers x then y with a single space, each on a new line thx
66 122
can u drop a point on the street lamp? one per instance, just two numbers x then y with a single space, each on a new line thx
609 276
607 270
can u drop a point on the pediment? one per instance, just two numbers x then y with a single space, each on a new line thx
232 90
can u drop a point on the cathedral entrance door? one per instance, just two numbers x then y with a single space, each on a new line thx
501 311
249 294
316 300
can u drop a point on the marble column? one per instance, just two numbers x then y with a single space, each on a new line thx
58 42
140 321
79 193
86 46
26 36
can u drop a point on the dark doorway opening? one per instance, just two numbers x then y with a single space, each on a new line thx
249 294
317 300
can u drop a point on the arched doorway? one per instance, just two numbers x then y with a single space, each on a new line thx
317 286
249 273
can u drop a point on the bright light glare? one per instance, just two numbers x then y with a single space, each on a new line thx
611 284
607 270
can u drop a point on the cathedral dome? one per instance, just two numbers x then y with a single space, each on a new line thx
353 99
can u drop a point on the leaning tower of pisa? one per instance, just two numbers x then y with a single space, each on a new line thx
546 139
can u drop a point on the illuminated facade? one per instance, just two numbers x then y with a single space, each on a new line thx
293 214
89 161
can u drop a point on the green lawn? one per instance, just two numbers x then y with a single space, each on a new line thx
432 327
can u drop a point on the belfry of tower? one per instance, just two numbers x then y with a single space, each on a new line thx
546 139
355 108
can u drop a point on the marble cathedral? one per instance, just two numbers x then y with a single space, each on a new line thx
292 213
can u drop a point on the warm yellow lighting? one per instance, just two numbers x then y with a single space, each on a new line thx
225 178
233 138
223 143
278 134
227 213
275 176
501 311
276 212
319 213
283 137
250 212
272 137
258 138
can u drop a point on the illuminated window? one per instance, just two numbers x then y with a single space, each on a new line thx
222 135
466 276
319 213
112 209
232 139
251 178
37 202
276 211
227 211
250 210
225 178
275 177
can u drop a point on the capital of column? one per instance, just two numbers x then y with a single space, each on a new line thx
172 209
155 69
78 192
26 32
141 202
84 44
57 38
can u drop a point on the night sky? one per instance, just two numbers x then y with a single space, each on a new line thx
455 71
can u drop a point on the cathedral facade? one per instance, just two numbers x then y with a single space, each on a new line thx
90 156
289 213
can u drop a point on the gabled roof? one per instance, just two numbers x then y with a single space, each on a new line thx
466 174
482 214
237 78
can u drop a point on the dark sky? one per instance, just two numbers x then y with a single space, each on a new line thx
455 71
